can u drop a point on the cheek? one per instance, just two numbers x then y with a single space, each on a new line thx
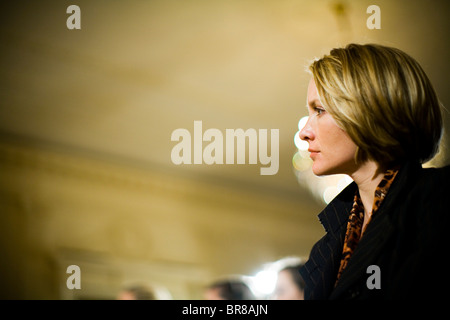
337 142
346 143
331 135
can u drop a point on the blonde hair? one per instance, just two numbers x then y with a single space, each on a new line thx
384 101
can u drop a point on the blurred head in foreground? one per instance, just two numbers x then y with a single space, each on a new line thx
229 289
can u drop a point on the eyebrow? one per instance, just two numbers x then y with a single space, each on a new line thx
314 103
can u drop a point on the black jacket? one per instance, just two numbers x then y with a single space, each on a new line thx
407 239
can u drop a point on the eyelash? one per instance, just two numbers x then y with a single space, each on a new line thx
318 111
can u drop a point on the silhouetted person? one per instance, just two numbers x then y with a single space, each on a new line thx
136 292
229 289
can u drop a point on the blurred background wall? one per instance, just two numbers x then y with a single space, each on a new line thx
86 118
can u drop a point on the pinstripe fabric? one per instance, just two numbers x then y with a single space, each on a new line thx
406 239
320 270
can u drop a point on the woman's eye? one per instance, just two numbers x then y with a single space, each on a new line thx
319 111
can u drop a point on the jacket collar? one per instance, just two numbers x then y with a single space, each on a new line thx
320 270
377 233
335 215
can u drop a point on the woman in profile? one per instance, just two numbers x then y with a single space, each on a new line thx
374 115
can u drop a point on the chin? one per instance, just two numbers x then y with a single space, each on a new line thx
322 171
318 172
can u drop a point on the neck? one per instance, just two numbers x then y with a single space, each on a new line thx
367 177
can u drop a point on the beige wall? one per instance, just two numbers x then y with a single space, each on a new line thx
122 224
86 118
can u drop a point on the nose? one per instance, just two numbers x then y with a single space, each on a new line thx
306 133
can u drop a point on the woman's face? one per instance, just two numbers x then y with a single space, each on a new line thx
331 149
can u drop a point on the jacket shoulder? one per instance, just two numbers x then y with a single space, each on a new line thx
433 181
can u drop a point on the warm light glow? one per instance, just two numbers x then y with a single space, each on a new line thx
329 193
302 122
265 281
301 161
299 143
344 182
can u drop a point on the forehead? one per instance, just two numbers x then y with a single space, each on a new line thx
312 96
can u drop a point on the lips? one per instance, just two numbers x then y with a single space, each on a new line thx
313 153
